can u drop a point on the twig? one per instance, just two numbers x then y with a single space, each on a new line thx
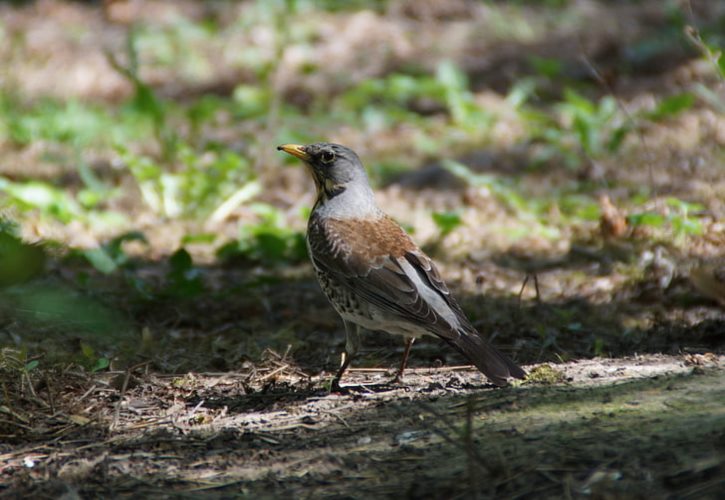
16 424
335 413
117 410
214 486
273 373
693 35
87 393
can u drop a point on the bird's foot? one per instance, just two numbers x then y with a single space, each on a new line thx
397 379
335 387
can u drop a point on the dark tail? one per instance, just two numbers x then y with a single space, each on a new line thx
492 363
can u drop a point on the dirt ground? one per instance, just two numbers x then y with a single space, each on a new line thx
226 394
640 427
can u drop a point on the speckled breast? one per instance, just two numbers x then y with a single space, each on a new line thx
343 300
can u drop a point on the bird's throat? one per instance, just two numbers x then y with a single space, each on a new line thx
348 201
326 194
327 190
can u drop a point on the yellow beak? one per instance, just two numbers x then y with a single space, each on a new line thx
295 150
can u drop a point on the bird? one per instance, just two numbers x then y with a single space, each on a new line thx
374 275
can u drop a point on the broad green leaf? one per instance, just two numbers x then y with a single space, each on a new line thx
180 261
672 106
447 221
646 219
87 350
545 66
100 260
616 139
202 238
101 364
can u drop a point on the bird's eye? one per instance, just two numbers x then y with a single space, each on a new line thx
327 157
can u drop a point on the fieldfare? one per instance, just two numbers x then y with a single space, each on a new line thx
372 272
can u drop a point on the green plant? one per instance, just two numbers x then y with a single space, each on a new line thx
404 98
198 184
572 204
93 361
183 278
447 222
465 112
580 129
15 362
109 257
270 241
495 184
598 347
679 217
597 127
70 122
710 47
49 200
671 106
547 67
184 179
58 203
682 218
391 99
19 261
60 311
589 129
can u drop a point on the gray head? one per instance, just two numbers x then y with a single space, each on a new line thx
337 170
333 167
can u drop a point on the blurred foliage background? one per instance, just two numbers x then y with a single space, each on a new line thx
145 214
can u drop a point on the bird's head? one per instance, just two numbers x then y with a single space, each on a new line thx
334 168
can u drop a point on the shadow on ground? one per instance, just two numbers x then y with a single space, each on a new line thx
236 314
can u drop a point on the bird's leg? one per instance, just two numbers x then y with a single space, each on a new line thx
352 346
408 344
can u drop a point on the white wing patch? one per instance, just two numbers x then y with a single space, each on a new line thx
430 296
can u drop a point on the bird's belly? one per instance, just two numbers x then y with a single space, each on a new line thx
345 302
360 312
